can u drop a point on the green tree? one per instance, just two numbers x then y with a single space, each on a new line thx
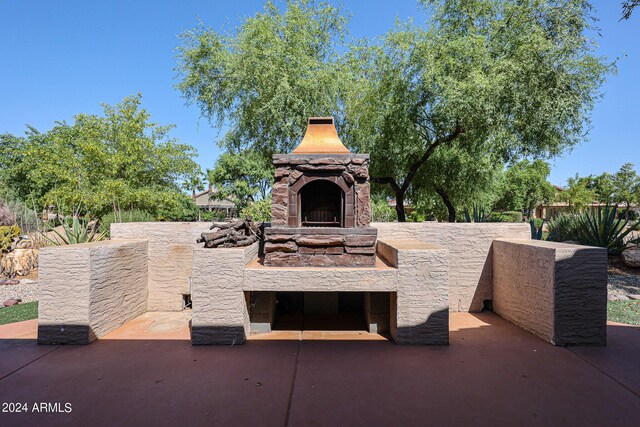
194 182
244 176
453 178
603 186
268 76
577 194
524 185
626 186
504 77
100 163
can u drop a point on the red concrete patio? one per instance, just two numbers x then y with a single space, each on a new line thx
147 373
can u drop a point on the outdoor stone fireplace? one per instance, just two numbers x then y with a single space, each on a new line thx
321 205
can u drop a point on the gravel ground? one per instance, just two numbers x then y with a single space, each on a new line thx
622 286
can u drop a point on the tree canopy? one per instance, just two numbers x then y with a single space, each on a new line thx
100 163
627 8
577 194
244 176
504 78
524 185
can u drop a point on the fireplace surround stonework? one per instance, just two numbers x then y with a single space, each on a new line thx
321 204
288 242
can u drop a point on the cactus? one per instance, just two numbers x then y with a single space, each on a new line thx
536 232
7 234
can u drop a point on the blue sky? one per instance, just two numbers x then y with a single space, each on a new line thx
61 58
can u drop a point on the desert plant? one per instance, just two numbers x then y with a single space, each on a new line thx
77 232
259 211
536 225
511 216
214 215
478 214
382 212
13 211
7 234
603 227
600 227
133 215
563 228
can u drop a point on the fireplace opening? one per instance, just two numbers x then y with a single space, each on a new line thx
360 312
321 205
320 311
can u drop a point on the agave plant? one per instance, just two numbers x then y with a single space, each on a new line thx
77 232
603 228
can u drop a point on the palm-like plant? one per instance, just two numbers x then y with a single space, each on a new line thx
77 232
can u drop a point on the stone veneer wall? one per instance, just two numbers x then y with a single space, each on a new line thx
349 171
171 246
320 247
90 289
555 290
469 245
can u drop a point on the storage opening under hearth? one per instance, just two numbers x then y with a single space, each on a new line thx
321 204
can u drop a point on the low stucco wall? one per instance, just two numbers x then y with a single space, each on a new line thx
417 279
219 314
171 246
555 290
469 245
90 289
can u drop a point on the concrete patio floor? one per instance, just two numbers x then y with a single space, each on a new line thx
147 373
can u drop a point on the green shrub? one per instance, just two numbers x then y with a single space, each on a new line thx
382 212
496 217
259 211
511 216
416 216
77 232
7 234
214 215
601 227
126 216
181 208
563 228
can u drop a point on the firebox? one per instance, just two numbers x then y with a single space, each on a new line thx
321 207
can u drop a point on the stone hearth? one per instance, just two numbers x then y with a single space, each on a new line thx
320 246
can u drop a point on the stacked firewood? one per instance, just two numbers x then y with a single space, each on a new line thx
235 234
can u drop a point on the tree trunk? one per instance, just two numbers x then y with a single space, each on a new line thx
400 207
450 208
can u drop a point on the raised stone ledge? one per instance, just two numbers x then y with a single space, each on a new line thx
555 290
320 246
282 231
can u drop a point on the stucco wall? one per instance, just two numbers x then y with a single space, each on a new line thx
170 257
90 289
555 290
417 277
219 314
171 245
469 246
